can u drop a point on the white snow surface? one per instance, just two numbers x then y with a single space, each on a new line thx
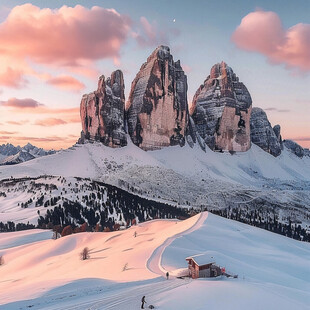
96 161
273 271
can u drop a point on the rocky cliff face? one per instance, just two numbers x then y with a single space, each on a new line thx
102 112
294 148
157 110
262 134
221 110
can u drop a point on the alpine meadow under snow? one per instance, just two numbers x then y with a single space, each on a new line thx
273 271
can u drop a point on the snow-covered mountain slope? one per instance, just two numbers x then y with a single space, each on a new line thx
188 177
97 161
73 201
273 271
20 157
115 256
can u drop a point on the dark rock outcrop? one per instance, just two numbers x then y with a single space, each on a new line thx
157 109
221 110
263 135
294 148
102 112
277 131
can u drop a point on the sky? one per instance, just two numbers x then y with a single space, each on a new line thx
52 52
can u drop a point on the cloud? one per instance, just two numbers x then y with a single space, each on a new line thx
8 132
306 138
66 82
263 32
4 138
21 103
17 123
76 119
150 35
277 110
63 36
32 106
68 37
43 139
47 122
12 78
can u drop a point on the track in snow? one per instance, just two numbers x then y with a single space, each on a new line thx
154 262
129 299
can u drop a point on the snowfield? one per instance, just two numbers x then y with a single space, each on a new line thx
179 176
96 161
274 271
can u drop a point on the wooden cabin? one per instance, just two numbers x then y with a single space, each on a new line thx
203 266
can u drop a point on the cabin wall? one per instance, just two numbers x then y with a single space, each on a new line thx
206 271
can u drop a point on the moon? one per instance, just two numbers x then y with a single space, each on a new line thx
174 20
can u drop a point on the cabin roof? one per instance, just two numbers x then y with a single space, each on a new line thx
202 259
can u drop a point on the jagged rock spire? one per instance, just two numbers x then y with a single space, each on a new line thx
157 109
102 112
221 110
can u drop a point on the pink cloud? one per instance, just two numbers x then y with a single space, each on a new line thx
3 132
39 139
21 103
305 138
47 122
12 78
73 38
151 34
32 106
18 123
66 82
263 32
63 36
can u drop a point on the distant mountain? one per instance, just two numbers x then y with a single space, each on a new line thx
11 155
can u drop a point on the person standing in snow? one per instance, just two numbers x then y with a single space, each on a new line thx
143 302
167 275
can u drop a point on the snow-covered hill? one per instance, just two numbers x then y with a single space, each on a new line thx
273 271
187 177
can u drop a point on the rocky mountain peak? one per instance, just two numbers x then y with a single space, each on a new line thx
101 84
295 148
221 110
102 112
262 134
157 109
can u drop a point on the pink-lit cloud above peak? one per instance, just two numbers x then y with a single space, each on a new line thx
66 82
63 36
263 32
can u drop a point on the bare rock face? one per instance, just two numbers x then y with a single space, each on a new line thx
294 148
157 109
221 110
102 112
277 131
263 135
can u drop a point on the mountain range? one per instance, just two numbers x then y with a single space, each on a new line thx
164 158
11 155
